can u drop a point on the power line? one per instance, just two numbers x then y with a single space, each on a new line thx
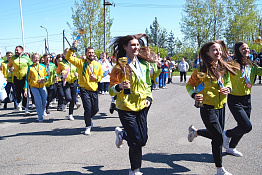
29 37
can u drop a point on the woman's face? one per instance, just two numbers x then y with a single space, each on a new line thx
35 59
244 50
132 48
215 52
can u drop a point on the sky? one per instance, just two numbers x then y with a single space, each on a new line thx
129 17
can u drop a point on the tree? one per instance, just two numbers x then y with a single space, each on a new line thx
89 15
171 44
157 36
195 25
243 21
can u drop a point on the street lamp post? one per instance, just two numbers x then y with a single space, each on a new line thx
46 38
105 4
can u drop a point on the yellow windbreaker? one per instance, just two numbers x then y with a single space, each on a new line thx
84 71
211 92
34 73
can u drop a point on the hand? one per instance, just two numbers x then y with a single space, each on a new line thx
75 42
25 93
199 97
93 77
147 103
224 91
158 63
125 85
76 74
11 69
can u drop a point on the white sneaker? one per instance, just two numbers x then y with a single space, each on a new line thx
33 106
234 152
222 171
226 140
106 93
63 107
70 117
88 130
191 133
103 93
19 108
119 137
45 114
135 172
78 105
27 113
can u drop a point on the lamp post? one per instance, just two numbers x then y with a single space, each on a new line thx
105 4
46 38
22 26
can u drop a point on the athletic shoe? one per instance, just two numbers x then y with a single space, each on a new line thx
45 114
5 106
234 152
78 105
15 107
103 93
88 130
33 106
119 137
135 172
47 111
226 140
112 108
191 133
27 113
63 107
70 117
222 171
106 93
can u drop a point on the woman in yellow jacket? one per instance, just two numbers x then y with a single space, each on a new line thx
211 90
132 108
239 100
69 77
36 76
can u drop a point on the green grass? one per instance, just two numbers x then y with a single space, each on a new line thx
176 73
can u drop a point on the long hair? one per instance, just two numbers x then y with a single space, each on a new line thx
208 66
239 57
121 41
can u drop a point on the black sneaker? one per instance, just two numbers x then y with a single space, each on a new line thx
112 108
47 111
5 106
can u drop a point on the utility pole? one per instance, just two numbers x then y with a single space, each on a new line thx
63 41
22 26
105 4
156 34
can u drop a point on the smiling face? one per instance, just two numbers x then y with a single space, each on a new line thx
215 52
18 51
90 54
244 50
35 58
132 48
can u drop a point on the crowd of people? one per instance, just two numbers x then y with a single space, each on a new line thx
129 77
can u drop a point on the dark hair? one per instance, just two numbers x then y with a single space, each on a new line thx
20 47
88 49
45 55
7 53
119 51
239 57
208 66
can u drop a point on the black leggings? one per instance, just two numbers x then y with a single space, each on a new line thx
214 120
19 90
240 107
135 133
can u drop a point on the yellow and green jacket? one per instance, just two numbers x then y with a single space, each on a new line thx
51 70
211 92
140 91
239 87
84 71
34 73
7 74
66 66
20 65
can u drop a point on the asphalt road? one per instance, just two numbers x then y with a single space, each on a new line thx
58 146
